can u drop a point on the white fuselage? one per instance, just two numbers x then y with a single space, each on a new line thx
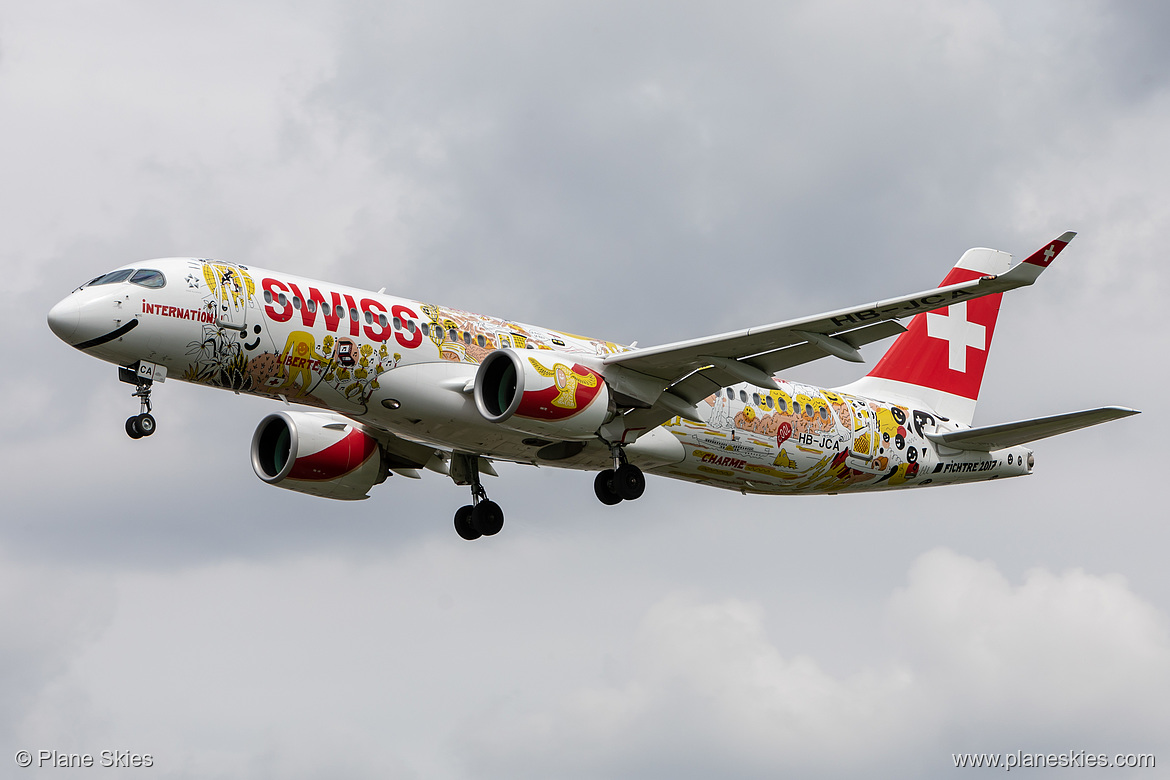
405 366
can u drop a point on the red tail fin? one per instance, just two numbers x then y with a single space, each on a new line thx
940 358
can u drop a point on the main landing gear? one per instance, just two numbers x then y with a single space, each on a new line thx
624 481
141 424
482 517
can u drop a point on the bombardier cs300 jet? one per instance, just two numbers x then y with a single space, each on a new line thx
397 385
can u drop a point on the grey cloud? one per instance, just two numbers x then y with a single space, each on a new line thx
739 141
49 616
1057 655
627 171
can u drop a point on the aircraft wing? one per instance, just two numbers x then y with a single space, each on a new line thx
997 437
405 457
692 370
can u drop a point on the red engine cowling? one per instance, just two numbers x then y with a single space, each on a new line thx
543 393
319 454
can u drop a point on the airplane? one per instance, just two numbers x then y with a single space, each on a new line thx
394 386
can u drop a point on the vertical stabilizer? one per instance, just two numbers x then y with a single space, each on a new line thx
939 360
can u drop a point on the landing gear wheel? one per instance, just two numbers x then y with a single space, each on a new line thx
132 429
146 424
463 525
604 488
487 518
142 424
483 517
629 482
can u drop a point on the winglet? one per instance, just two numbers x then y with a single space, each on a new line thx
1028 271
1045 255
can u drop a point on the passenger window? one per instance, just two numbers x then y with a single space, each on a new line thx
770 404
382 321
311 305
756 399
283 300
730 393
297 302
339 311
353 315
426 329
743 396
452 335
397 324
466 337
149 278
268 296
369 318
410 326
481 341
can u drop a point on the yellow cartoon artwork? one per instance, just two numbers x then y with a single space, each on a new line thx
229 283
863 445
841 408
886 423
784 461
300 356
746 420
567 380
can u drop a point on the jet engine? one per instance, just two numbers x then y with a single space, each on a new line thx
543 393
320 454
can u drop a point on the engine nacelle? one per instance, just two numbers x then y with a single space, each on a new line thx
320 454
542 393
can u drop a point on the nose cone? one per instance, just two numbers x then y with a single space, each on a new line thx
64 317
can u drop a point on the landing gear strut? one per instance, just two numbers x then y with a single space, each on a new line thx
141 424
482 517
624 481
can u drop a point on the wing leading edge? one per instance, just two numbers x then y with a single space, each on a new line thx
680 374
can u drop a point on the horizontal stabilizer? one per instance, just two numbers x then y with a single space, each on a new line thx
997 437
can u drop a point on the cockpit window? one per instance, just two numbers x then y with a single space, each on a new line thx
113 277
149 278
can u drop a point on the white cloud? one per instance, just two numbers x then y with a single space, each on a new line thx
1060 660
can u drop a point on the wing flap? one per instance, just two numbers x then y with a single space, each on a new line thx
685 369
997 437
671 362
808 351
664 361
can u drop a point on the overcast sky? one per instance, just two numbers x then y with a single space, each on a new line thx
633 171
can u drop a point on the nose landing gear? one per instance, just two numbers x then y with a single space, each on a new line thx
143 423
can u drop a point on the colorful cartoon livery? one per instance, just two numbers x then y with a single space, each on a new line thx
398 386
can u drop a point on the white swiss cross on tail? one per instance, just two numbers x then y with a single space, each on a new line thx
941 357
939 361
954 328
